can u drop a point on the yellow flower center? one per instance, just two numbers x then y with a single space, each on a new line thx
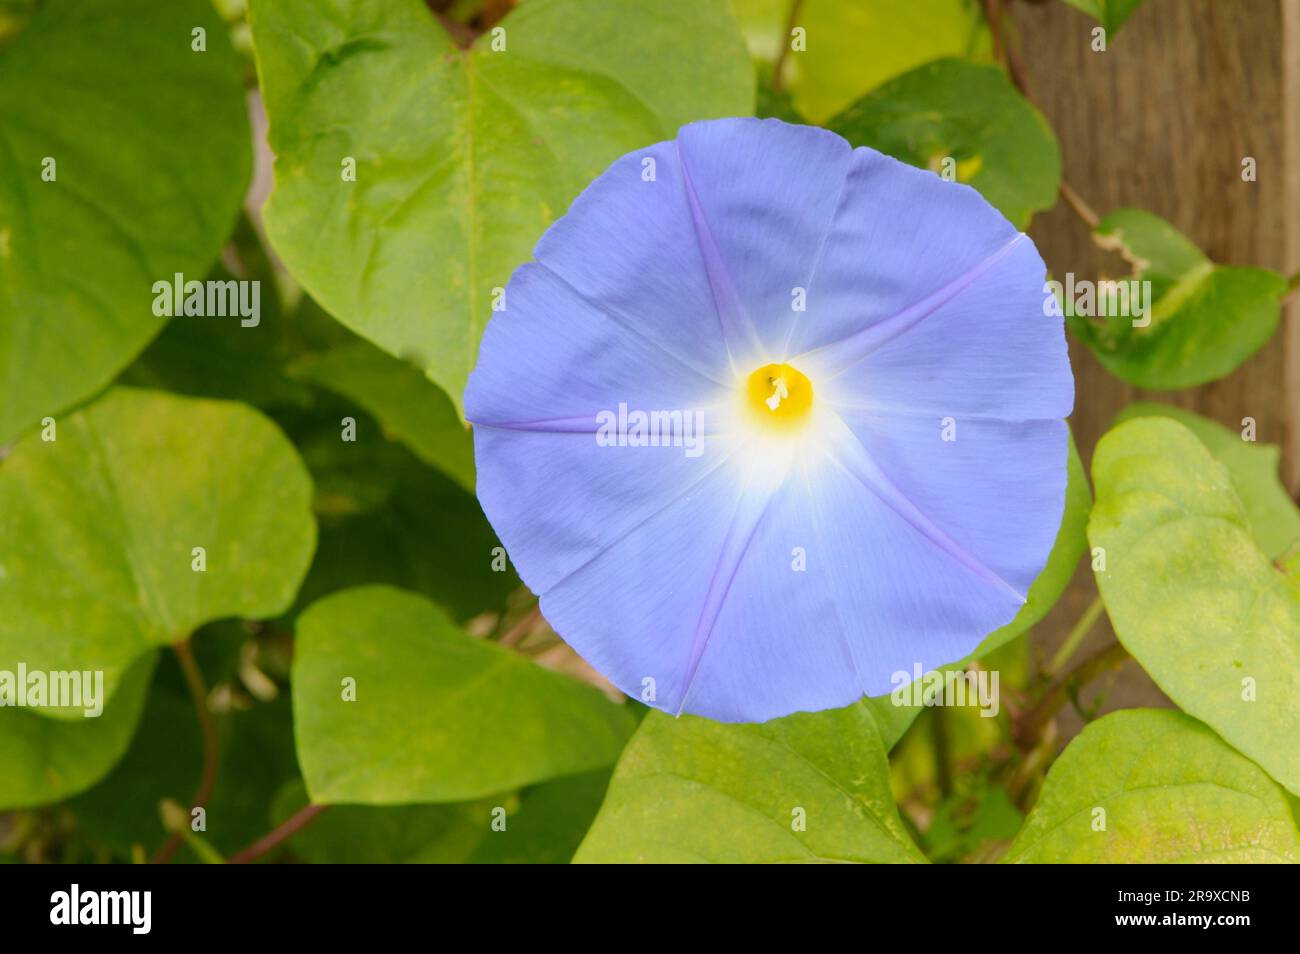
779 396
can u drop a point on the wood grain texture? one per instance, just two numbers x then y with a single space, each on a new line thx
1162 121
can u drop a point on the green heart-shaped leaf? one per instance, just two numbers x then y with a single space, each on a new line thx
1194 322
849 49
437 715
1273 516
427 535
463 157
892 720
151 153
541 825
410 408
807 787
1190 594
100 528
1111 14
46 760
1151 785
967 122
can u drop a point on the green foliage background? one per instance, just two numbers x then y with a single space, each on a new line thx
128 438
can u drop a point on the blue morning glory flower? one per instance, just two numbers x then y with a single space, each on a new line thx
770 419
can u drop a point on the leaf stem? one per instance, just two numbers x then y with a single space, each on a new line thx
1076 636
278 835
523 628
942 752
211 753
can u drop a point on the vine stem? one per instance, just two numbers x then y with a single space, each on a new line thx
1078 206
278 835
778 68
211 755
1004 51
1029 727
1076 636
1292 289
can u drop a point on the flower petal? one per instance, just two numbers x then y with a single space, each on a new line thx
983 347
879 596
554 494
552 356
764 195
995 492
900 234
772 575
746 605
640 610
558 500
874 598
629 244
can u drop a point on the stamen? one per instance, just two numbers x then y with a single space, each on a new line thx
778 397
779 392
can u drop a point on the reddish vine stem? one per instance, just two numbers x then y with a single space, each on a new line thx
278 835
463 35
1005 51
211 753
